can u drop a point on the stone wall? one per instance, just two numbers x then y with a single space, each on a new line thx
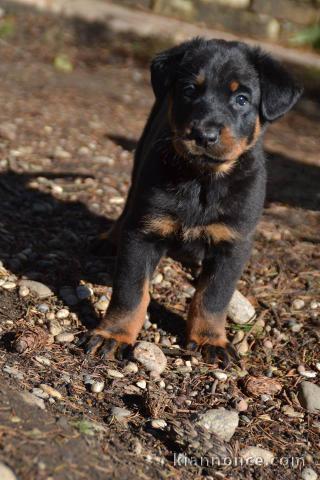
261 19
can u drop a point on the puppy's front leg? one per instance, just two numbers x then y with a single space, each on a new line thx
207 313
137 258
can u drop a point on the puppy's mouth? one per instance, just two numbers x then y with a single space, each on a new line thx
215 154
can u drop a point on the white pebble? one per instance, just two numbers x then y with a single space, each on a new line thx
6 473
158 423
308 474
24 291
141 384
220 375
97 387
157 279
64 338
9 285
131 367
43 360
114 373
314 305
298 304
162 384
62 314
318 366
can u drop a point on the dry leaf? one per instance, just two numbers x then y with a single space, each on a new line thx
257 386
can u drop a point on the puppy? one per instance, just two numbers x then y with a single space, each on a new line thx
198 186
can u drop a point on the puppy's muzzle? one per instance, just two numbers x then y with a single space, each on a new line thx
205 137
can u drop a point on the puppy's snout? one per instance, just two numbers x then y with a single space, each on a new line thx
205 137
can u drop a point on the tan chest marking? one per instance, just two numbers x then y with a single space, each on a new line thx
166 226
162 225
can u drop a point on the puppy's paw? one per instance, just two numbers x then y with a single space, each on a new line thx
105 345
221 352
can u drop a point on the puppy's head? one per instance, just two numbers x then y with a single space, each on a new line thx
219 96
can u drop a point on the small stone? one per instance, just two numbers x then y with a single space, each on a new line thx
6 473
62 314
24 291
141 384
38 392
318 366
9 285
68 296
131 367
296 328
298 304
52 392
31 399
119 412
241 405
309 396
240 310
257 456
219 421
37 288
221 376
64 338
238 337
158 423
268 344
314 305
104 160
55 328
84 292
162 384
97 387
43 360
305 373
157 279
102 305
43 308
242 347
308 474
84 151
150 356
165 342
114 373
50 316
57 189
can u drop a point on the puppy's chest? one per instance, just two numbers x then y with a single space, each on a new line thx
194 213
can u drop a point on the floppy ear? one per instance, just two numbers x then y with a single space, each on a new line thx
279 91
164 66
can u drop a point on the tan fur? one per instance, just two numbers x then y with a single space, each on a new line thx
203 327
200 78
129 323
163 225
234 85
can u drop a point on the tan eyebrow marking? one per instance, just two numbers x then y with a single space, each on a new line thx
200 78
234 85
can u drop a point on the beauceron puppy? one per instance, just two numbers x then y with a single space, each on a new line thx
198 186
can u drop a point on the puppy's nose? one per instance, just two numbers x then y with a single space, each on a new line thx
205 137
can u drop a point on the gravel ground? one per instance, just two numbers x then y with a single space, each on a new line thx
74 101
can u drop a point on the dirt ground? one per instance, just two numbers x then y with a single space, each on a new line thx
66 145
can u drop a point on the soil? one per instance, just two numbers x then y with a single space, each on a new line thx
74 100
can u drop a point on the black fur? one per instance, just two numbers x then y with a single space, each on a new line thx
199 163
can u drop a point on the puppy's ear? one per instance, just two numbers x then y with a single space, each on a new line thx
164 66
279 91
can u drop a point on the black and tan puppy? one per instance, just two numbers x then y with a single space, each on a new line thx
198 185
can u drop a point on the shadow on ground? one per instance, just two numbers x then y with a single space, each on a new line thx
48 240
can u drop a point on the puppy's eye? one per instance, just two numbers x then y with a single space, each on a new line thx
241 100
189 90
